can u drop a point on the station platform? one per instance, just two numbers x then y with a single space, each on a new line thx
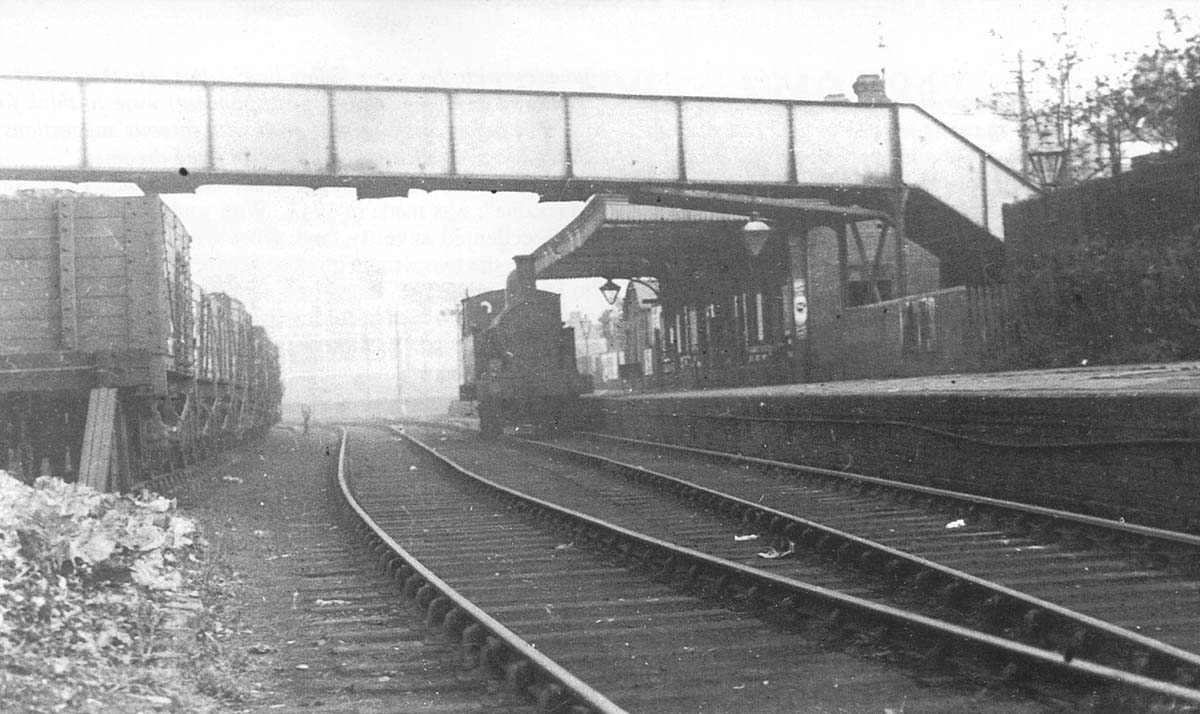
1117 380
1113 441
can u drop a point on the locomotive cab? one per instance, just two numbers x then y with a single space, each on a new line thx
518 358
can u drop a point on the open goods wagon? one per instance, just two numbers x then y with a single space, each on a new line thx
114 367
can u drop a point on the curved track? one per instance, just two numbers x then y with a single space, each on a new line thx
650 664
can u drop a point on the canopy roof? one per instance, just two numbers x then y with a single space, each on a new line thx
614 237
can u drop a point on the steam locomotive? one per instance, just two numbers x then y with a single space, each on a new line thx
518 358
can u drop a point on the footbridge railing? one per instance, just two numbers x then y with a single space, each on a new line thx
174 135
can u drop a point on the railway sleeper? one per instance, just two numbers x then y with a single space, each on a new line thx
931 584
867 627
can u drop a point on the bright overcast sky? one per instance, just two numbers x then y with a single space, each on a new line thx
942 55
938 53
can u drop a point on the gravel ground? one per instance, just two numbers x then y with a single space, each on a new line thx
297 619
280 612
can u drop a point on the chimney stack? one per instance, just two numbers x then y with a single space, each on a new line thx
869 89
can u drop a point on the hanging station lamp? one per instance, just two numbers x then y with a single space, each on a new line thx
610 291
755 234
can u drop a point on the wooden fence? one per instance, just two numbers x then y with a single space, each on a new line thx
992 327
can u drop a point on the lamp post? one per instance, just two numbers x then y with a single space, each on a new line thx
1048 163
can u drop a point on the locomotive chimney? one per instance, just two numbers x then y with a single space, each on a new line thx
870 90
522 284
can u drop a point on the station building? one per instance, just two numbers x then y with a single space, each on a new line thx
721 289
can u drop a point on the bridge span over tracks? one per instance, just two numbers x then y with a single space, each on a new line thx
171 136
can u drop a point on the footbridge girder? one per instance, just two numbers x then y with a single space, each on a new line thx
175 135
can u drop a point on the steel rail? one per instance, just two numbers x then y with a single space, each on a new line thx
789 592
956 436
459 613
1159 655
1132 529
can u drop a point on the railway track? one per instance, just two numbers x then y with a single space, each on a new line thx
714 633
1122 594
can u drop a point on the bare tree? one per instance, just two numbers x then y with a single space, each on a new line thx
1095 119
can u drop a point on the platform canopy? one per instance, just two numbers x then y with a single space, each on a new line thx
613 237
171 136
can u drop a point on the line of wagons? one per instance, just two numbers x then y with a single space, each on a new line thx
114 366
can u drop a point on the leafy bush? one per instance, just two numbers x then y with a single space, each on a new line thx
81 571
1110 302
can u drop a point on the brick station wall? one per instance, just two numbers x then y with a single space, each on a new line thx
1109 457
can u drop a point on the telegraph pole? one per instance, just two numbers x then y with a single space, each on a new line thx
1022 114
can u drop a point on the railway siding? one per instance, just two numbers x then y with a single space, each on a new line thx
1031 583
801 605
646 644
1129 452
